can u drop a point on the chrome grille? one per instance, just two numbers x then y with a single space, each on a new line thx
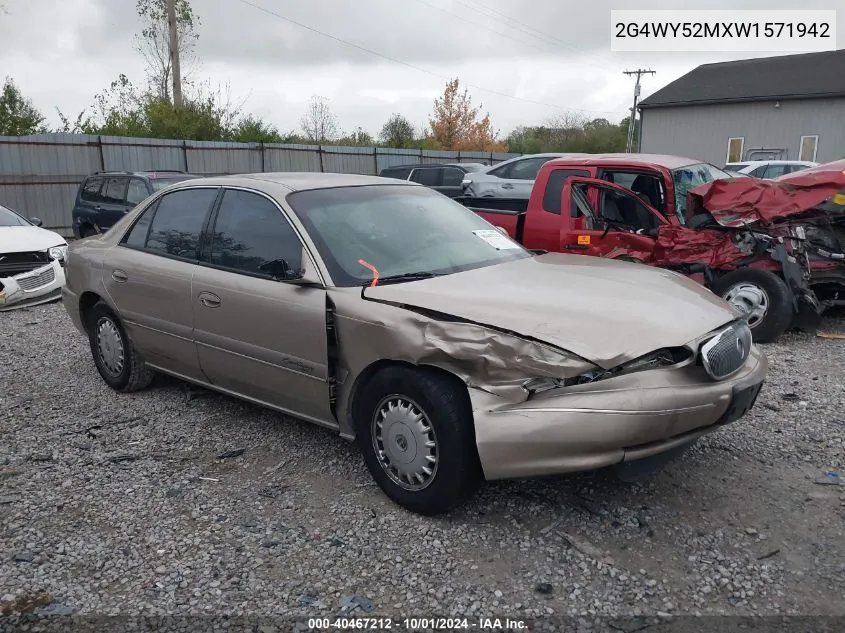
725 353
31 282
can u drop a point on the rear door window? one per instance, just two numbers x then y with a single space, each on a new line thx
179 221
430 177
527 169
91 190
554 189
452 177
396 172
137 191
115 190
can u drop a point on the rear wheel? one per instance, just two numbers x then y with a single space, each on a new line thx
762 297
120 366
415 430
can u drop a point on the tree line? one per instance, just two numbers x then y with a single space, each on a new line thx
209 113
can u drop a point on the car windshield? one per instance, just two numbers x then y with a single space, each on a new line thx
10 218
160 183
690 177
397 230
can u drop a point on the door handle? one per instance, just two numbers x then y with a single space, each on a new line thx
507 185
209 300
119 276
577 247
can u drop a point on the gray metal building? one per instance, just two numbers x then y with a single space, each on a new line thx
772 108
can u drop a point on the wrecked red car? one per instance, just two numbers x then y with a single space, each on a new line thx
770 248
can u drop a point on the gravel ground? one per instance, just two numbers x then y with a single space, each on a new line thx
115 504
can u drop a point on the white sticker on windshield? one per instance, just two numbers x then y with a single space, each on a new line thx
496 239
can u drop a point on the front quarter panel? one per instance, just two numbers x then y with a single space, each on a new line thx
488 361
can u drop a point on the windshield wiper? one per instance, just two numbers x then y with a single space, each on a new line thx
416 276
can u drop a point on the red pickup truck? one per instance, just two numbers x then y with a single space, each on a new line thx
638 208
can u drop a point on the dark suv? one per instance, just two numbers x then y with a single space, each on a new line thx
105 196
445 178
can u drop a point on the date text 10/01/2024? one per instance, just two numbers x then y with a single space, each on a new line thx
412 624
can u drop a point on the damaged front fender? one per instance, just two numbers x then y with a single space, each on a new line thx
492 363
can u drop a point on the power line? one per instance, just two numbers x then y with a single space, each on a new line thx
475 6
483 26
407 64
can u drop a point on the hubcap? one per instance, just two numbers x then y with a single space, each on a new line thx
405 443
110 346
751 300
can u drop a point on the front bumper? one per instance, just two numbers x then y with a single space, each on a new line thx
37 286
611 421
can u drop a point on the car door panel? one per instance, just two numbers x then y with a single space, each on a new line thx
589 234
148 277
265 339
153 297
113 202
260 337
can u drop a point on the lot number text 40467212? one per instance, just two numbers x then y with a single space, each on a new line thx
414 624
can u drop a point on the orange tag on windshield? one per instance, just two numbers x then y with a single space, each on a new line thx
583 239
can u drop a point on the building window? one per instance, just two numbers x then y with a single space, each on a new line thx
735 147
809 144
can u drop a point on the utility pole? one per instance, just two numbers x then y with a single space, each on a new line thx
174 53
632 119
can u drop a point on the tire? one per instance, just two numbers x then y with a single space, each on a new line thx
456 471
767 322
124 369
86 231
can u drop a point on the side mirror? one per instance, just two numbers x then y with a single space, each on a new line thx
36 221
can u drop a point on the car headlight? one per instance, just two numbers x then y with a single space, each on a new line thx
58 253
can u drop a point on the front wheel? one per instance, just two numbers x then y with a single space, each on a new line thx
762 297
415 430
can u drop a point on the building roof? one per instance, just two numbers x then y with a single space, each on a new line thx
804 76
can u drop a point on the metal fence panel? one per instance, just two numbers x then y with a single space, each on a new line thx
348 160
40 174
142 154
211 157
291 158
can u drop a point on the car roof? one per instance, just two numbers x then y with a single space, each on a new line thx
419 165
297 181
652 160
153 174
776 162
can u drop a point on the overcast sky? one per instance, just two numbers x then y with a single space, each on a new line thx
543 56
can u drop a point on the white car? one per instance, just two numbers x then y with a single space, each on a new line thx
512 178
769 168
31 262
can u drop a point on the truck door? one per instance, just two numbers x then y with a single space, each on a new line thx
606 220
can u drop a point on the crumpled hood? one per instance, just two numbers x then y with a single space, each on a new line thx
739 201
605 311
17 239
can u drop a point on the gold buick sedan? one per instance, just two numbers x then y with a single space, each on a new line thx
398 317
